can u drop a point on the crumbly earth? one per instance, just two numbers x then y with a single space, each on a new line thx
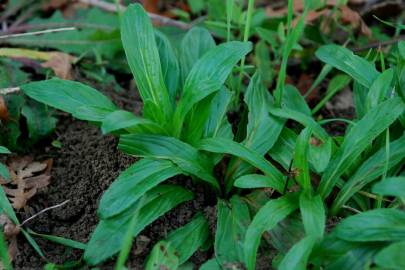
83 168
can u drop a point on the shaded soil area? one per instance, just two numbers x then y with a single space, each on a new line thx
84 167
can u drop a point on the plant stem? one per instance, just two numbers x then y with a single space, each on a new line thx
245 39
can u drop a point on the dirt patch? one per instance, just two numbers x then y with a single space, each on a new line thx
83 168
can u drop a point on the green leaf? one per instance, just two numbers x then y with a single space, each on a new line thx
125 120
133 183
6 207
358 139
59 240
297 256
313 214
392 186
163 256
98 33
109 234
138 40
370 170
220 145
233 219
39 121
4 150
320 154
267 218
336 84
189 159
391 257
300 163
211 265
169 64
187 239
293 100
208 75
217 116
4 258
34 244
375 225
301 118
360 97
68 96
379 89
193 46
343 59
259 181
283 150
4 173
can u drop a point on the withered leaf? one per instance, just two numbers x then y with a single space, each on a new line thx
3 110
27 176
61 64
10 231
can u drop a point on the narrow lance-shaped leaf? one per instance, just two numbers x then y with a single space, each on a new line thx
313 214
379 89
343 59
358 138
133 183
193 46
109 234
391 257
138 40
208 75
259 181
267 218
263 129
163 256
187 239
392 186
297 257
220 145
369 171
233 220
169 64
384 224
188 158
119 119
70 96
300 164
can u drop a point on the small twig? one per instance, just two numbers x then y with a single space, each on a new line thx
155 17
379 44
43 211
5 91
44 26
351 209
39 32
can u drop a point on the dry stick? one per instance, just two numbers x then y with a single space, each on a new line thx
155 17
379 44
5 91
45 26
43 211
38 32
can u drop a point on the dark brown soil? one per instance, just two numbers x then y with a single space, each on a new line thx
83 168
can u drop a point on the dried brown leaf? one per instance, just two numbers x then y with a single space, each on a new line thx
353 18
61 64
27 176
10 231
3 110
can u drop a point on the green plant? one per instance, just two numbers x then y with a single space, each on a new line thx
184 130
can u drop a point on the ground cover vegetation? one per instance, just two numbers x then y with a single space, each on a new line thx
222 117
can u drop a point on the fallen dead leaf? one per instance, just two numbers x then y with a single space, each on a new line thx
4 116
353 18
61 64
10 231
27 177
